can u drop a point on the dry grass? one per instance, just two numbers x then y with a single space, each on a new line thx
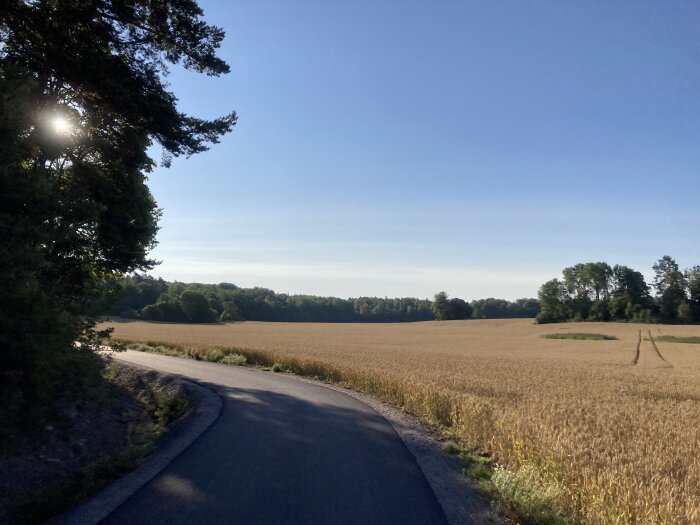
617 434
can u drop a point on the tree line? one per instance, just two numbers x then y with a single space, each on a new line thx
145 297
596 291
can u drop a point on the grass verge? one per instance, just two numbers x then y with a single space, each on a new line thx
581 337
523 489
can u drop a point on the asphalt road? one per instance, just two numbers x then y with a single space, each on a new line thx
282 452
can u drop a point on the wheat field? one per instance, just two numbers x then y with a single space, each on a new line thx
614 425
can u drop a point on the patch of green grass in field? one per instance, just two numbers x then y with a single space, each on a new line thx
695 340
581 337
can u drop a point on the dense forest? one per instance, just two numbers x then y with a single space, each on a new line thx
148 298
596 291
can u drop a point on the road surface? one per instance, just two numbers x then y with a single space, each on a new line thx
282 452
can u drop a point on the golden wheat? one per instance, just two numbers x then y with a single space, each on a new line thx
622 439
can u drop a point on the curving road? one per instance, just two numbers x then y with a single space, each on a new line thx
282 452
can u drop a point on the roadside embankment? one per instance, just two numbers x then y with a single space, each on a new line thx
127 416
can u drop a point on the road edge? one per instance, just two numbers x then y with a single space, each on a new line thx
180 436
461 503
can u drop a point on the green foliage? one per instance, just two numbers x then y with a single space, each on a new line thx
599 310
165 399
554 302
460 309
441 307
597 292
125 297
215 355
580 336
75 210
670 284
157 300
630 299
501 309
234 360
277 367
588 280
529 494
684 313
666 270
477 468
230 312
450 447
143 297
692 277
445 309
154 349
196 307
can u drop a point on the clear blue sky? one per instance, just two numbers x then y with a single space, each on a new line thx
401 148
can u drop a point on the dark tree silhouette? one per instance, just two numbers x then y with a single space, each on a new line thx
82 97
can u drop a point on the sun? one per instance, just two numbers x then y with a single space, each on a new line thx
60 125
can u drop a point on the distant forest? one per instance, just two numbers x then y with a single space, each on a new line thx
596 291
147 298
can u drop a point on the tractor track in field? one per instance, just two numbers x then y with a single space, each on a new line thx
639 344
638 351
656 348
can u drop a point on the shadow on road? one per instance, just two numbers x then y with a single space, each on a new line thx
309 455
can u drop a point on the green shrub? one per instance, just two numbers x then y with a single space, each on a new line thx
529 494
234 360
450 447
170 405
214 355
475 467
193 353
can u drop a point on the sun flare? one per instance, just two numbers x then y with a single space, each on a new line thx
61 125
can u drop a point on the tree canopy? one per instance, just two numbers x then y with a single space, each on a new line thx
83 95
446 309
147 298
598 292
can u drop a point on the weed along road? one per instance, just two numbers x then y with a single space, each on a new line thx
282 452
